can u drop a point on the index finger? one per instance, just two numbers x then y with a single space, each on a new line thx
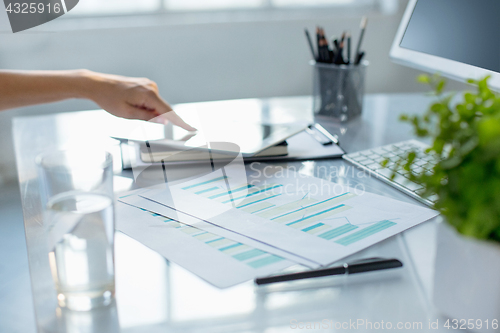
167 113
175 119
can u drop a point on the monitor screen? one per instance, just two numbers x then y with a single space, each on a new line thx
460 30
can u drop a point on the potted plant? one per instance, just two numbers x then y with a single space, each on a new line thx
465 134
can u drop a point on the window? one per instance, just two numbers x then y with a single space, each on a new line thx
92 7
111 7
189 5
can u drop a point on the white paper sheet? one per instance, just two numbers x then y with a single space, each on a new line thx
133 199
312 218
217 260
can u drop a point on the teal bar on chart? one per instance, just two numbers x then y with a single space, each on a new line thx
357 236
248 254
253 193
331 234
264 261
229 247
313 215
306 207
260 210
214 240
204 183
251 203
313 227
215 196
207 190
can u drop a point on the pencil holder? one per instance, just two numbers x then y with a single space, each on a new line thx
338 90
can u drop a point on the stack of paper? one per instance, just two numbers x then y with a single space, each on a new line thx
230 226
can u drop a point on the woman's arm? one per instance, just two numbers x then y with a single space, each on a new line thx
133 98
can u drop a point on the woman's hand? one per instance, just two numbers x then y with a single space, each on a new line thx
132 98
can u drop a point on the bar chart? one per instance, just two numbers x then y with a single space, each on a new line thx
314 217
252 257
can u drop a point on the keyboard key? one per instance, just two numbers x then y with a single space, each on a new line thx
412 186
417 169
368 161
394 153
433 198
393 148
373 166
403 172
400 179
379 151
388 149
387 173
358 158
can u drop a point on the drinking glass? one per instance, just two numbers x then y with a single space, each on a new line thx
76 190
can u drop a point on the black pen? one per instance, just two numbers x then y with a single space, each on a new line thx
310 44
327 50
360 267
348 48
339 58
335 42
359 57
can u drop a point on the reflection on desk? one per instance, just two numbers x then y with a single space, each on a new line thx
154 295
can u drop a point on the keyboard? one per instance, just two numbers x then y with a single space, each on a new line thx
369 160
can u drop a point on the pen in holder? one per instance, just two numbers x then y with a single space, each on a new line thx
338 90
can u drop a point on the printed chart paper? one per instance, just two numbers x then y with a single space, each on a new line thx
312 218
133 199
218 260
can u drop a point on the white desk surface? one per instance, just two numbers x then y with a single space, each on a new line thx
154 295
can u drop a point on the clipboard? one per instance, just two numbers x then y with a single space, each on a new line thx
311 144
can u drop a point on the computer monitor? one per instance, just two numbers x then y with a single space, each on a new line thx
456 38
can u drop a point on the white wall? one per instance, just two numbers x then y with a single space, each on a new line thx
199 61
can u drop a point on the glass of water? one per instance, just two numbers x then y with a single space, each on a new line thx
76 189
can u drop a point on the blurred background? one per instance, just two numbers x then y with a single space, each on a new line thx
196 50
199 50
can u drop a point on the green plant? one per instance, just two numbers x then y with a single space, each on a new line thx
465 149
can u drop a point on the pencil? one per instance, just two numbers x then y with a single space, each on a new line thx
309 41
318 40
363 24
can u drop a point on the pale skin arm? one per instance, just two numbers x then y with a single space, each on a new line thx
132 98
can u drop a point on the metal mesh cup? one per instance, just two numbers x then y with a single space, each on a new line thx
338 90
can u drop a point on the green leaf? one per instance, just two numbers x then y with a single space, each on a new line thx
440 86
424 78
465 144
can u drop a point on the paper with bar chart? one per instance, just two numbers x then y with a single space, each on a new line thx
309 217
133 199
201 252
